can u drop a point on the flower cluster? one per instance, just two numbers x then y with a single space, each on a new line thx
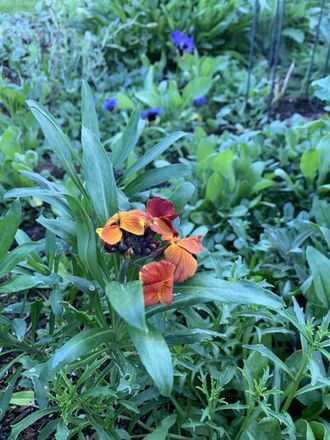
151 234
110 105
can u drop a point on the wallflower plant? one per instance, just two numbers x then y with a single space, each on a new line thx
99 283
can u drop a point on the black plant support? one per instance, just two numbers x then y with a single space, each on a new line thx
310 67
272 42
252 42
326 65
277 52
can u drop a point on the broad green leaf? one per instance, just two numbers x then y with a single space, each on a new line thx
322 88
124 102
22 398
155 356
270 355
196 88
214 187
320 268
153 153
309 163
324 164
14 257
150 98
10 142
127 141
81 344
161 432
57 140
88 113
29 420
205 287
127 300
8 227
99 177
181 196
155 177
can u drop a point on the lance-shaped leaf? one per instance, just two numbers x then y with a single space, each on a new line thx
155 356
88 113
127 300
99 177
8 227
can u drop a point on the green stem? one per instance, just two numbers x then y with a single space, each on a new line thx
123 271
245 421
181 413
294 386
97 307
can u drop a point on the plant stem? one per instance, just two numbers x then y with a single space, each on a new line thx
245 421
252 41
309 74
294 386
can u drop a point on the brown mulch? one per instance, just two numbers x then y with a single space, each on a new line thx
304 106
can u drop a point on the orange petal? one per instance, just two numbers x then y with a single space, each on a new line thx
191 244
133 221
112 220
163 227
185 264
157 279
161 208
110 234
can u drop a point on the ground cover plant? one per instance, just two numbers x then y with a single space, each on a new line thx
165 220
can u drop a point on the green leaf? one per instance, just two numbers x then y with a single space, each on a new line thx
181 196
29 420
161 432
205 287
127 300
86 239
88 113
81 344
20 328
155 177
155 356
322 88
320 268
127 141
196 88
99 177
124 102
270 355
8 226
14 257
22 398
57 140
153 153
309 163
20 282
5 395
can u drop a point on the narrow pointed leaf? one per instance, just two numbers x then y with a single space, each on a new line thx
8 226
88 113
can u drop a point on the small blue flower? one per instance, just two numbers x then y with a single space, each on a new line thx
200 101
183 42
152 113
110 105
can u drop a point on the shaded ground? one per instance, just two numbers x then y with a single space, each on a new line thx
290 105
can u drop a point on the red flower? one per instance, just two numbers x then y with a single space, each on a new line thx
160 213
157 279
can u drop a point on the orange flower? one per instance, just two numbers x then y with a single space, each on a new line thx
180 254
131 221
157 279
160 213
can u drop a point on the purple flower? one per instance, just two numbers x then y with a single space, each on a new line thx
152 113
183 42
200 101
110 105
